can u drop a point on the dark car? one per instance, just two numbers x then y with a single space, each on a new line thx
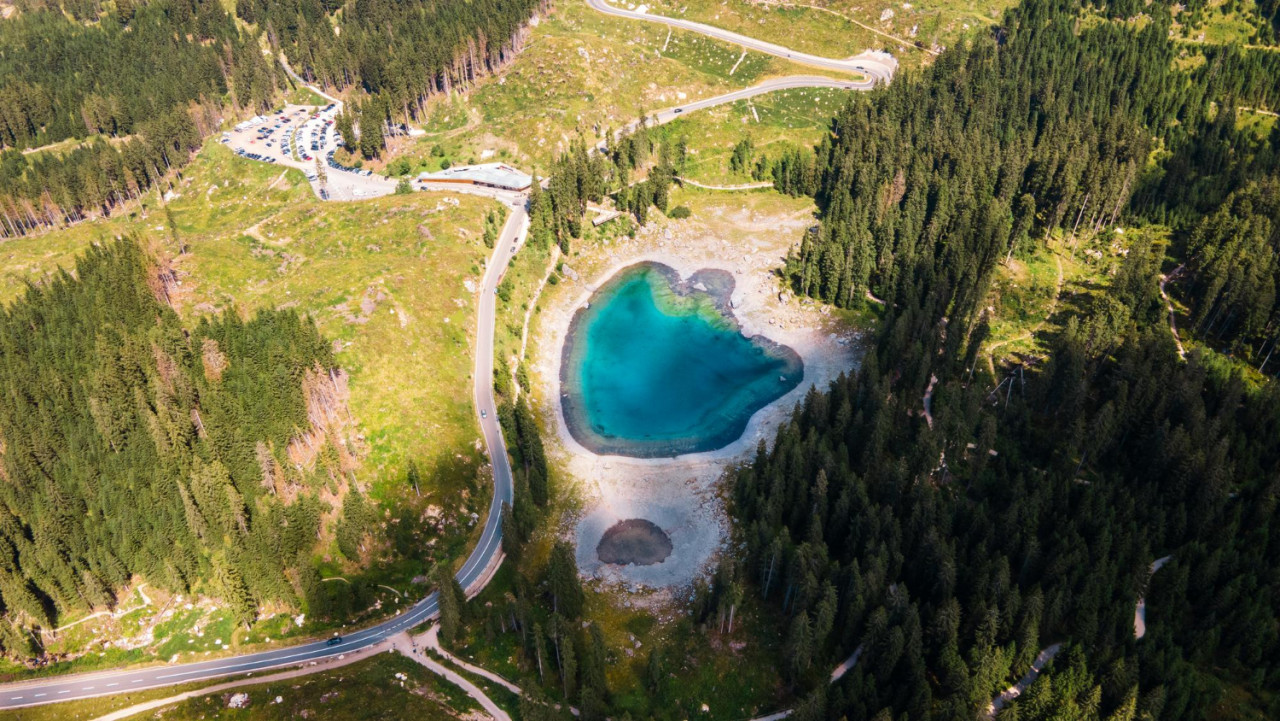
333 641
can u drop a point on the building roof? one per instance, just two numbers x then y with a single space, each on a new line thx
497 174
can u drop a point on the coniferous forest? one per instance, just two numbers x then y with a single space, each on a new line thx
131 446
399 52
951 526
943 522
143 82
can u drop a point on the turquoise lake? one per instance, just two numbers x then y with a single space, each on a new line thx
654 366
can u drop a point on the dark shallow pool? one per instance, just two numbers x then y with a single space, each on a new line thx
634 540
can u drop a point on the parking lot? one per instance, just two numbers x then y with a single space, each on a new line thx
295 137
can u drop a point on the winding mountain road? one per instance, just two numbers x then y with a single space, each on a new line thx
474 572
790 82
877 68
479 565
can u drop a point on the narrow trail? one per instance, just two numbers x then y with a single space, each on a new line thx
877 67
901 41
837 673
743 186
846 665
431 639
1140 611
1259 111
928 400
1168 304
1053 307
1024 683
409 646
284 62
528 314
146 601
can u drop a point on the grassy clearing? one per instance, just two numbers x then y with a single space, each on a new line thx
386 280
774 122
1260 124
171 628
799 28
736 675
582 73
302 95
1031 302
831 27
520 285
1220 22
367 690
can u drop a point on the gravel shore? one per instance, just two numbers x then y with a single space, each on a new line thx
680 494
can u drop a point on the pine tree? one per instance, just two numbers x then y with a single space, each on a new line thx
566 588
450 598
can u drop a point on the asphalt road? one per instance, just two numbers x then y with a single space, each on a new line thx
878 70
788 83
66 688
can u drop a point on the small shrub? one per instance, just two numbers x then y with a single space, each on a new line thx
679 212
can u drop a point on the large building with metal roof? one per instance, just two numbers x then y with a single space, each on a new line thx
489 175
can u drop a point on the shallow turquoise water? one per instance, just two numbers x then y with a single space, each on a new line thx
655 368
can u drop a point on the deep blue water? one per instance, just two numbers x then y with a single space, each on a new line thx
653 367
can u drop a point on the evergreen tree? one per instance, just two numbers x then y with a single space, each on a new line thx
566 588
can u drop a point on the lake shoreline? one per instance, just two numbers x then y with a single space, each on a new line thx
682 494
713 284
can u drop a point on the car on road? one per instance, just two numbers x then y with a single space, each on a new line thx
333 641
677 111
484 413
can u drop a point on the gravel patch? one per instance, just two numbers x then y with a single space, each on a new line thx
681 495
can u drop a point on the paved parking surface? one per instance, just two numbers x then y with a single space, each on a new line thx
298 136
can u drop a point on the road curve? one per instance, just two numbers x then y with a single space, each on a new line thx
878 70
79 686
472 574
